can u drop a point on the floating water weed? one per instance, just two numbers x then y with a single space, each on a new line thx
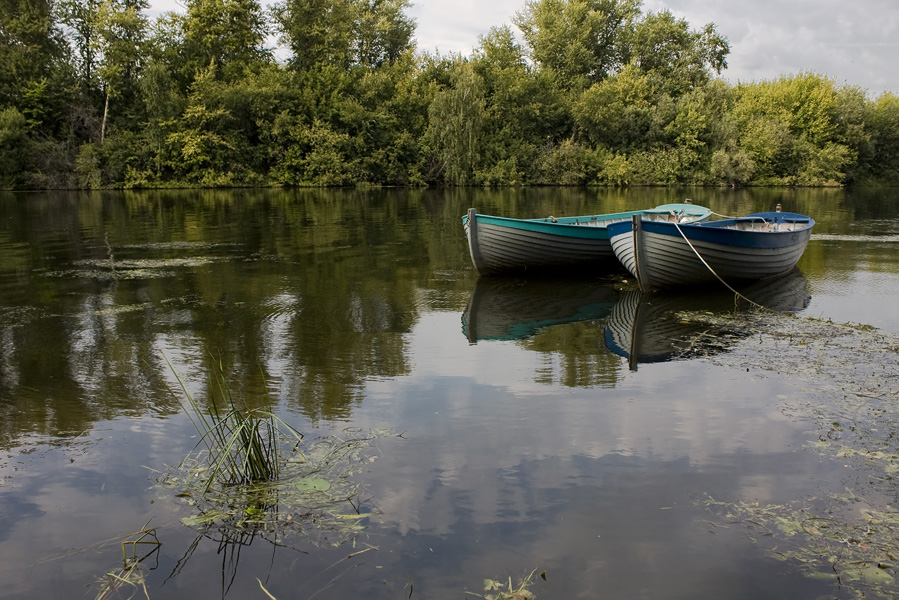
131 575
505 591
846 380
843 539
252 474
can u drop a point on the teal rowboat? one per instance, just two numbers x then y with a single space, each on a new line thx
504 245
517 308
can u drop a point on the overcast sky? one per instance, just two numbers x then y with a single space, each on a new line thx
854 42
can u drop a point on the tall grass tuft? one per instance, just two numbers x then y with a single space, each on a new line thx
252 474
242 446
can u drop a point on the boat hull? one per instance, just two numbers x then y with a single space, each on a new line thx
500 245
660 256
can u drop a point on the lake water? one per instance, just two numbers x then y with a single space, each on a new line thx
520 429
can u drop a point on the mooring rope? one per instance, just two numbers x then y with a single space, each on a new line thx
712 271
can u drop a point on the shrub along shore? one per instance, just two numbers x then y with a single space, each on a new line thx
96 94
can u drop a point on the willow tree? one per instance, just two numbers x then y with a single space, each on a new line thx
617 113
317 32
344 33
523 110
791 129
81 18
32 56
383 32
38 101
883 125
456 118
122 28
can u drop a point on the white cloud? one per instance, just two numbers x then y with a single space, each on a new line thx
456 26
157 7
852 43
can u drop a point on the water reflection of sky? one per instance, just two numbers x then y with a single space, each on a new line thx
866 297
503 464
858 284
599 482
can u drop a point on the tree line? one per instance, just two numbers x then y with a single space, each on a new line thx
95 94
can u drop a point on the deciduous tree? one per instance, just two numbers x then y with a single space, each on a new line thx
677 58
228 34
580 41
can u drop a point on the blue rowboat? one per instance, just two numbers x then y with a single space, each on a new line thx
505 245
662 255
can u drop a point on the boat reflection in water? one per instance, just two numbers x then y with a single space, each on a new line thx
645 327
515 308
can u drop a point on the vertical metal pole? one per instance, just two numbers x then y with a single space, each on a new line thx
474 246
639 258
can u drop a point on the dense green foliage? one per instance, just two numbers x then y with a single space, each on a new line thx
95 94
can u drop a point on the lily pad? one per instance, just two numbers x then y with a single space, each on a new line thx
313 484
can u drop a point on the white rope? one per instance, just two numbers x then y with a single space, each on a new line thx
712 271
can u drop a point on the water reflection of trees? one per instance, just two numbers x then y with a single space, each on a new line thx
309 292
557 316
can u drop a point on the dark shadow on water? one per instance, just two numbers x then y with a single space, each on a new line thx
641 327
515 308
650 327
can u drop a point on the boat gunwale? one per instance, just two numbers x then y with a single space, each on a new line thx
585 222
721 232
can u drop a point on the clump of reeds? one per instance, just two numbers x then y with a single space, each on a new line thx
253 474
242 446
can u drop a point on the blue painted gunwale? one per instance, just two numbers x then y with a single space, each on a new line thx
717 232
579 227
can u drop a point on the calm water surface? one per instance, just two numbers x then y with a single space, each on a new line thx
557 424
